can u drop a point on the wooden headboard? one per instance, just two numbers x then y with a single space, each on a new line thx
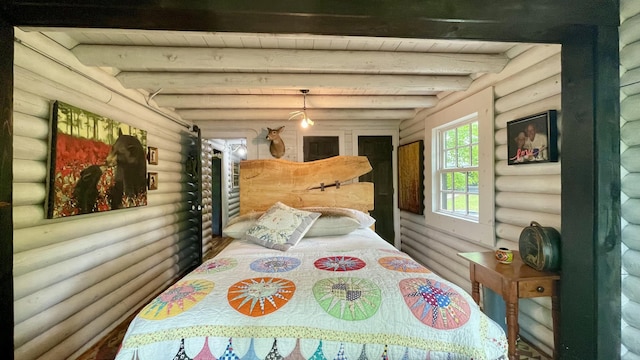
303 184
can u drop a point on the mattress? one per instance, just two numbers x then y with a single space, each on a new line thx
352 296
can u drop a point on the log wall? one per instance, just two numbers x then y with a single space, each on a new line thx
76 278
630 176
529 84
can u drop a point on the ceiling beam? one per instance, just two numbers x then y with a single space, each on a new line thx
401 84
293 101
150 58
516 20
283 114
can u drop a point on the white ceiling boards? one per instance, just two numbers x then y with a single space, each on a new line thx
242 76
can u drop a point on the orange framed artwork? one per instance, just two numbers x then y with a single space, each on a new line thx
411 177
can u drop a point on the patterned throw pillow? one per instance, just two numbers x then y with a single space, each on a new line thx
281 227
238 226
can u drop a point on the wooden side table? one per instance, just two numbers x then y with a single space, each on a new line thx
512 282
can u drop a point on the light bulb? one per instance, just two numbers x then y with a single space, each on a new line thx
242 151
303 123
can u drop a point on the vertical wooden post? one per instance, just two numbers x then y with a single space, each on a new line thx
6 179
198 209
590 291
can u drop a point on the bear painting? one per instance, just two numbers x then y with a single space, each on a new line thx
128 157
97 164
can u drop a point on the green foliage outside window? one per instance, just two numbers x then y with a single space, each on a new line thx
459 176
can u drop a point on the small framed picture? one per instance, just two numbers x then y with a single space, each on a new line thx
533 139
152 181
152 155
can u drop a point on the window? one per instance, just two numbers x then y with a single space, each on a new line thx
235 174
459 181
457 169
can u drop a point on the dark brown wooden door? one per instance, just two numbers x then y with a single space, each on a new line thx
216 193
320 147
379 151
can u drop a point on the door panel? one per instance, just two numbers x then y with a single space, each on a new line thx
216 194
320 147
379 151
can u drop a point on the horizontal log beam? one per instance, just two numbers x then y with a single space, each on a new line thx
523 218
630 159
29 171
543 89
544 184
630 82
293 101
136 58
518 20
215 82
529 202
283 114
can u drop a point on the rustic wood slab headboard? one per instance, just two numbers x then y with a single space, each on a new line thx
303 184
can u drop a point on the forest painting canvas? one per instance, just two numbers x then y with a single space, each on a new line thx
96 163
411 177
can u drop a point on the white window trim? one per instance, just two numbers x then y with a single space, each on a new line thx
483 230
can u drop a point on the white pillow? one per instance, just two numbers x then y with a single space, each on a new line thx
325 225
364 219
332 222
281 227
333 226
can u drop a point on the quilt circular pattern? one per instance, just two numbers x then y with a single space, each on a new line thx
339 263
260 296
348 298
275 264
216 265
434 303
402 264
177 299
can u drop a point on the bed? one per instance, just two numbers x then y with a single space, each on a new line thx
323 286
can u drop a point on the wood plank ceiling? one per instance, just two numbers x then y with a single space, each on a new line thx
236 76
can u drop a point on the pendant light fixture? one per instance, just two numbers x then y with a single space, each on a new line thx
305 122
240 149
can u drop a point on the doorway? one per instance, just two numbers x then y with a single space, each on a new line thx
216 193
320 147
379 151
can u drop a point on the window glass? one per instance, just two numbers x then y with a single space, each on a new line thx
458 172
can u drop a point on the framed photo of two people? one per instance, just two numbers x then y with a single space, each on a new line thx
533 139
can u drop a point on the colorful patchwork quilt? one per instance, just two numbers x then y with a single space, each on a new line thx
347 297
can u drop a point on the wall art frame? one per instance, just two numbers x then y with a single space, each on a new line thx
411 177
533 139
95 163
152 181
152 155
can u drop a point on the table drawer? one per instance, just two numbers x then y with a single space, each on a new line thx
535 288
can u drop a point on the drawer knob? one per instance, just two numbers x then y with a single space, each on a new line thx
540 289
